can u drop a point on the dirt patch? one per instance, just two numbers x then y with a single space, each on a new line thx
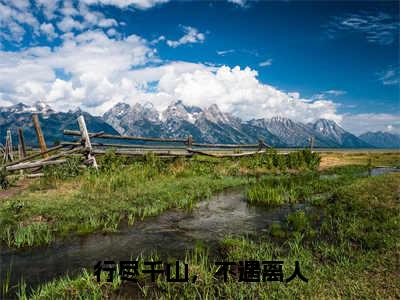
15 189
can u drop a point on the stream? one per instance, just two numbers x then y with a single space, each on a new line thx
170 235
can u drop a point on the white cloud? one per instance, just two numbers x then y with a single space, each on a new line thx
241 3
96 67
48 7
225 52
140 4
361 123
13 18
379 28
328 94
48 30
265 63
100 71
238 91
68 24
19 20
390 76
335 92
192 35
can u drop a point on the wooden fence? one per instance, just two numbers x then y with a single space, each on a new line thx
85 145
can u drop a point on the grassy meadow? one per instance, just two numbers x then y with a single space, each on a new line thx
346 238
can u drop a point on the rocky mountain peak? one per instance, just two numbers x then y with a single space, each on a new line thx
328 128
180 112
215 115
37 107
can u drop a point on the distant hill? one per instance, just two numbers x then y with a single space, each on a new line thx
381 139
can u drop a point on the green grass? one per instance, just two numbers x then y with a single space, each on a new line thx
100 202
308 186
71 200
352 253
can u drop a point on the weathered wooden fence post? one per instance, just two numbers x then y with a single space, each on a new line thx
189 141
8 148
39 133
311 143
260 144
21 143
85 137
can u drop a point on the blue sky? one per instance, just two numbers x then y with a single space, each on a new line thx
302 60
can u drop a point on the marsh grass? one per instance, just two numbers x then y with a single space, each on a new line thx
308 186
68 199
71 200
342 261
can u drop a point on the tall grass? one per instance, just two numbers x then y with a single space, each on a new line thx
67 200
358 238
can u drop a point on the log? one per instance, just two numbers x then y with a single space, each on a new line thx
34 155
63 153
225 155
141 153
125 137
39 134
126 146
34 175
34 164
225 145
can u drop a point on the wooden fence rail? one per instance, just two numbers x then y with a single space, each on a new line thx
125 137
162 147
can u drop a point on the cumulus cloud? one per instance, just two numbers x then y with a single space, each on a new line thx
48 30
14 16
19 20
95 70
239 92
100 71
191 36
96 66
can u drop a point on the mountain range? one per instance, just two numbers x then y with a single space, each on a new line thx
208 125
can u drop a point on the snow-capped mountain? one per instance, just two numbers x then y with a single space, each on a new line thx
178 111
381 139
37 107
211 125
291 133
208 125
332 131
52 123
136 120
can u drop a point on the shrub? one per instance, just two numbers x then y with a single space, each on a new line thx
4 183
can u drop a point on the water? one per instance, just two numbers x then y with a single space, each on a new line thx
383 170
374 172
169 234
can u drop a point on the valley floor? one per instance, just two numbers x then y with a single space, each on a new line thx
345 237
